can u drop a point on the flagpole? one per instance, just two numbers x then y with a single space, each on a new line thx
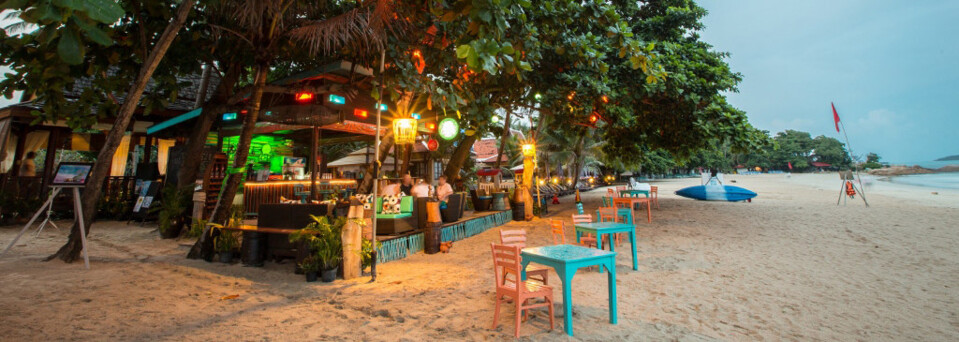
849 148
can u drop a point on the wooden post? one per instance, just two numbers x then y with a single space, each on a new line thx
147 148
314 140
18 152
353 243
53 144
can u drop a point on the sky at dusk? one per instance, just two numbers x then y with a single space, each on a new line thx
891 67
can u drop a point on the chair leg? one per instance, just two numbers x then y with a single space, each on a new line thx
496 313
550 302
519 316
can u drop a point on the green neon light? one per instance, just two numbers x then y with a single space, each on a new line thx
229 116
448 128
337 99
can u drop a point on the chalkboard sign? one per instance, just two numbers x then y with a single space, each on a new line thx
174 163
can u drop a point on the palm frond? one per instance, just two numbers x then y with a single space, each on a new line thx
360 28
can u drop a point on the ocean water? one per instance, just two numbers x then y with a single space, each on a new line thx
930 164
948 180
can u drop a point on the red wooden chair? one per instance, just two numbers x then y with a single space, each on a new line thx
654 195
506 259
517 238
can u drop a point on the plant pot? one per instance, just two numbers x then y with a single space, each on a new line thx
226 257
176 225
311 276
328 276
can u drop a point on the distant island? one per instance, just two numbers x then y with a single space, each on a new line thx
953 157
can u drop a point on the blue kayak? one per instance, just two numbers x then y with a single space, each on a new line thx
716 193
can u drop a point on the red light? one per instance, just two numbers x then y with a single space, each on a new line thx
571 95
605 99
304 96
243 111
360 113
431 126
593 118
432 144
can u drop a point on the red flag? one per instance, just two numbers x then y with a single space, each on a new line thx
835 116
790 165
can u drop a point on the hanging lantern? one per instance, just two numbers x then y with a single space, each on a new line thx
430 126
571 96
361 113
605 99
304 97
529 150
432 144
404 131
419 61
448 128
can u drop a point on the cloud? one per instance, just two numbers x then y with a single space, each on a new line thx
877 118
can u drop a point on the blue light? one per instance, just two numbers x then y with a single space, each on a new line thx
337 99
416 116
383 107
229 116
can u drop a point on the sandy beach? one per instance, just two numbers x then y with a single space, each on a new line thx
791 265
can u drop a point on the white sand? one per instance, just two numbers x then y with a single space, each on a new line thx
789 266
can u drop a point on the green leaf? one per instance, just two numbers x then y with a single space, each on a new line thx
93 32
104 11
13 4
463 51
69 48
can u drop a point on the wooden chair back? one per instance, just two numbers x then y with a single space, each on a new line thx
506 259
559 232
607 214
516 237
582 218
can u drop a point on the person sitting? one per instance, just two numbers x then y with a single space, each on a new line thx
391 189
421 189
443 189
406 184
28 168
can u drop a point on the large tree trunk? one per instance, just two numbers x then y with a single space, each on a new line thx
71 250
458 158
238 171
197 140
203 248
502 142
373 172
407 155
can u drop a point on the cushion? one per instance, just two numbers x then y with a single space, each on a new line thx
406 204
366 200
391 204
394 216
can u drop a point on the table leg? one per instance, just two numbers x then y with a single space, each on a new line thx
523 270
599 244
566 276
611 278
632 244
578 235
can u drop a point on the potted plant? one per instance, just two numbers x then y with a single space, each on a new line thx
225 244
310 267
325 242
170 212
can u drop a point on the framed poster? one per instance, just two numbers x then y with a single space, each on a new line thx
72 174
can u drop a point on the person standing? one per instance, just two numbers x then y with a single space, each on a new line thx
28 168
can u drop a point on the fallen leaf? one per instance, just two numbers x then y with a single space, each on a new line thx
233 296
396 282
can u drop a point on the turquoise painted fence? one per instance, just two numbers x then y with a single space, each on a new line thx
400 248
472 227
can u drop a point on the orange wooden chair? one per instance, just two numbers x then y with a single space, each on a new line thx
611 192
506 259
609 214
654 195
587 239
517 238
559 232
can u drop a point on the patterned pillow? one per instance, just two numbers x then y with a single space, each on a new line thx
391 204
366 200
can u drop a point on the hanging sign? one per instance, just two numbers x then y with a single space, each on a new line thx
432 144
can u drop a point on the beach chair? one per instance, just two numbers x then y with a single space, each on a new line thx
517 238
506 259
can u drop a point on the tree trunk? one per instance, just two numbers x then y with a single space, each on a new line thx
407 155
197 139
203 248
459 157
373 172
71 250
578 161
238 171
502 142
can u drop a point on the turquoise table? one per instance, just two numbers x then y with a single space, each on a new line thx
633 193
566 259
608 228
